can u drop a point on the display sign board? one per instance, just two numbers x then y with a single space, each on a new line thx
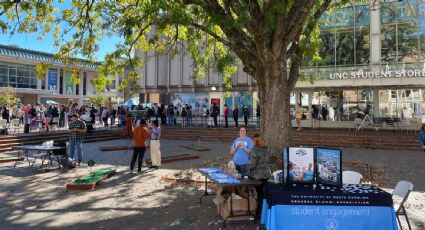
328 166
300 165
53 79
69 84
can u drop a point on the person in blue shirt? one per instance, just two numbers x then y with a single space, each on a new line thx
240 150
422 137
308 175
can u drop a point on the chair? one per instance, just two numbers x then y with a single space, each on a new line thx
55 123
400 195
279 178
59 154
351 177
405 124
3 123
357 123
14 124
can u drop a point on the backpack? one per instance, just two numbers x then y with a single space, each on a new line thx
33 112
68 163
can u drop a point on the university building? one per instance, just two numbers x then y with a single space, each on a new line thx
18 71
373 62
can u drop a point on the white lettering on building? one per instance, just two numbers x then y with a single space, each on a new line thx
382 74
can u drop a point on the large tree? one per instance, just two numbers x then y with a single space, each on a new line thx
270 38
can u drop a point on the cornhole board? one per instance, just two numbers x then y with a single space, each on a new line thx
173 158
10 159
195 148
90 181
115 148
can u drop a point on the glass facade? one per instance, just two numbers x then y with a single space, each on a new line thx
345 37
17 75
402 31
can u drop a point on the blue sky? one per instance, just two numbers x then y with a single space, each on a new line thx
30 41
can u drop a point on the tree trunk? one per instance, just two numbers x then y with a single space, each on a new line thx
276 127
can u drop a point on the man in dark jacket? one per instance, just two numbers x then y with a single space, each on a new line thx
236 115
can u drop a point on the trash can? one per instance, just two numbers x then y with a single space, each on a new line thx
27 128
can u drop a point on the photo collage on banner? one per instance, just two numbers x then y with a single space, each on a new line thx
300 165
329 166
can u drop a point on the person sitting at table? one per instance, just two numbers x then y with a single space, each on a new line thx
308 175
259 168
240 150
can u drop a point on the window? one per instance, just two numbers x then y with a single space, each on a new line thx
327 48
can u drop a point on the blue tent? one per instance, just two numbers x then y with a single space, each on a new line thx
49 102
131 102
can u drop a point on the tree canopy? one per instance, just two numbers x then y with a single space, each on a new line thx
270 38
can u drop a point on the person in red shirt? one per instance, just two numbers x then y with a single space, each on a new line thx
226 114
140 135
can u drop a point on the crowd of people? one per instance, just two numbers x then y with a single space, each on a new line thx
201 115
43 116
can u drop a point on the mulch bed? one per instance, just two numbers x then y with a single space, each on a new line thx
190 177
195 148
115 148
90 181
173 158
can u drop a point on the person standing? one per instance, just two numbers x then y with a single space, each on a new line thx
140 135
105 116
155 145
67 114
128 127
258 114
236 115
324 113
184 115
259 168
215 112
170 115
6 114
77 128
298 116
422 137
240 150
113 115
204 116
226 114
245 115
315 116
161 114
62 116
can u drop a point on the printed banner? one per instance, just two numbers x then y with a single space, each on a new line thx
331 217
69 84
53 79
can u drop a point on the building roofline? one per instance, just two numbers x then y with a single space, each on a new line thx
12 51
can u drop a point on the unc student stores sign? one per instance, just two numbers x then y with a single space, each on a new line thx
382 74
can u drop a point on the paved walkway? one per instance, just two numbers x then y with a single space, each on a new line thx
36 199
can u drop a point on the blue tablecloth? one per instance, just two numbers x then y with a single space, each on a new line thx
301 207
218 175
